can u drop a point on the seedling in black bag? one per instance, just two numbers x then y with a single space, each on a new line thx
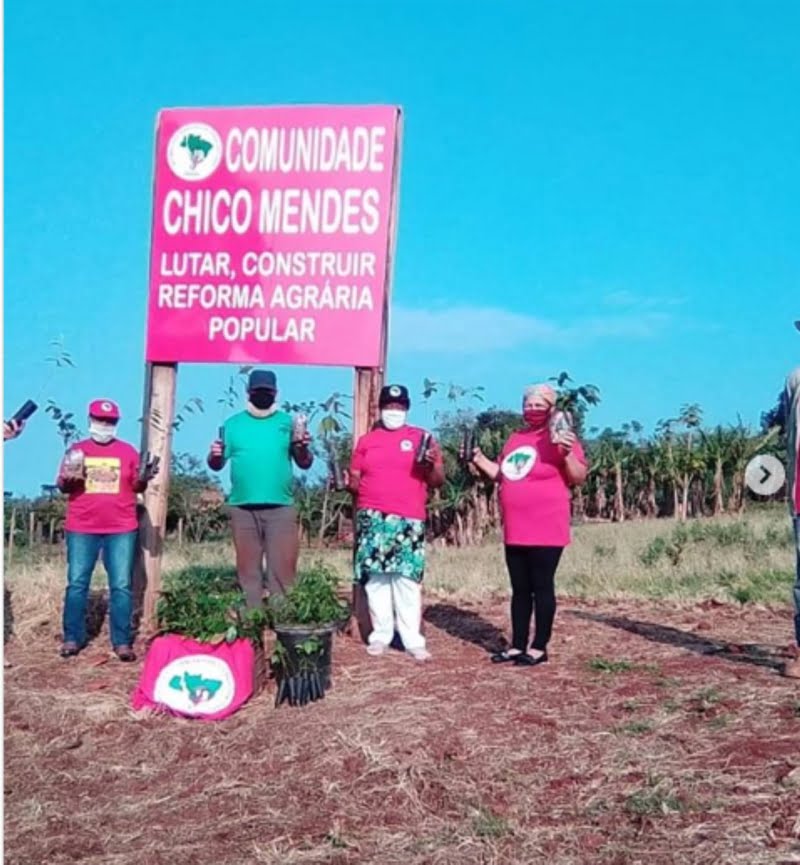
467 445
422 450
148 467
334 468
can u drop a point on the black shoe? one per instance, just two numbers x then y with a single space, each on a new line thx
527 660
69 650
125 653
504 657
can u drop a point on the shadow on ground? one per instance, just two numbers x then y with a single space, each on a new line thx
466 625
751 653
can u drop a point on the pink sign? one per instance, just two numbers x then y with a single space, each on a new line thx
270 234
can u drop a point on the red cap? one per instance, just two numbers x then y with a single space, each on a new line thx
104 409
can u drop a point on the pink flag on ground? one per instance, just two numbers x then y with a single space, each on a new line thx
195 680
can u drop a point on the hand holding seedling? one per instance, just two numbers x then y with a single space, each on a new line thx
565 441
72 468
432 453
150 467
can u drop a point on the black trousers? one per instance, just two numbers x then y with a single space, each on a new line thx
532 571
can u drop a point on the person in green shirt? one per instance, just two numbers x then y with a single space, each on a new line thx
260 443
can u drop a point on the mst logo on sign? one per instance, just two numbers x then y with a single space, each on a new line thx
195 685
195 151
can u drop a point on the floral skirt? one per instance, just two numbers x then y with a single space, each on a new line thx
388 544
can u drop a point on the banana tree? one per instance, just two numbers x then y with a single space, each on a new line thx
690 418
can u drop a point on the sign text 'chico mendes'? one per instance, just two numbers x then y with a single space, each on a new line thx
270 234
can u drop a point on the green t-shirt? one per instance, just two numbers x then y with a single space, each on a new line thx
260 458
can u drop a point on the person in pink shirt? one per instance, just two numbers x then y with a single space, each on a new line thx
392 468
101 476
536 469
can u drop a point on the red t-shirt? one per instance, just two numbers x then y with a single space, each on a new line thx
106 503
534 493
390 481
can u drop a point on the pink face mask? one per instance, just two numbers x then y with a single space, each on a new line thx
535 417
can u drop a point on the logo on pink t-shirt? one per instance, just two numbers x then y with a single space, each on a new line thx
519 463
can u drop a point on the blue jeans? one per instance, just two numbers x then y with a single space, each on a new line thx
118 556
797 581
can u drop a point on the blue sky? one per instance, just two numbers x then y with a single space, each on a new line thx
606 188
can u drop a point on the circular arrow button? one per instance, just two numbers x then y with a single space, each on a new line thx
765 475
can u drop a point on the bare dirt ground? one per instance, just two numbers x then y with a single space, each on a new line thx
656 734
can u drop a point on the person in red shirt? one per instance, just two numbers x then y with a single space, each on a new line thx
390 474
101 476
535 471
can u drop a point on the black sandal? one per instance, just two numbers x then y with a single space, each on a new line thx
526 660
504 657
69 650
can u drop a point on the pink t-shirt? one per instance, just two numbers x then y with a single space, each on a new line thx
390 481
106 503
534 494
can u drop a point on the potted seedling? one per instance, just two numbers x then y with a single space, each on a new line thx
304 619
208 657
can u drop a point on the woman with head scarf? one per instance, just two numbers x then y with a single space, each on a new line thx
791 411
536 468
393 467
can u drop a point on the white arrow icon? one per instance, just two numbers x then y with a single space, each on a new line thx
765 475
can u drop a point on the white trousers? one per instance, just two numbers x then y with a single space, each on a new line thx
392 597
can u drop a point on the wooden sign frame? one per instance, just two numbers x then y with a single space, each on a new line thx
159 415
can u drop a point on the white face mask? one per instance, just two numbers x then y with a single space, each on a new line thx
102 433
393 418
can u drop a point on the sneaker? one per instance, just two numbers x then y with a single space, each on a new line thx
376 649
420 654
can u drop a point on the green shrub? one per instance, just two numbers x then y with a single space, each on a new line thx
312 601
206 604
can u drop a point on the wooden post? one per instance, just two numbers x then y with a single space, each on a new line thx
11 530
157 435
31 530
369 380
180 531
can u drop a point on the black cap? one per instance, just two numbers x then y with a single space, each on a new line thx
394 393
262 379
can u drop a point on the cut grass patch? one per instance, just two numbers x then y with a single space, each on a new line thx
604 665
487 824
656 799
635 728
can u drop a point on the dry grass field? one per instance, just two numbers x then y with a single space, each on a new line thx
660 731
